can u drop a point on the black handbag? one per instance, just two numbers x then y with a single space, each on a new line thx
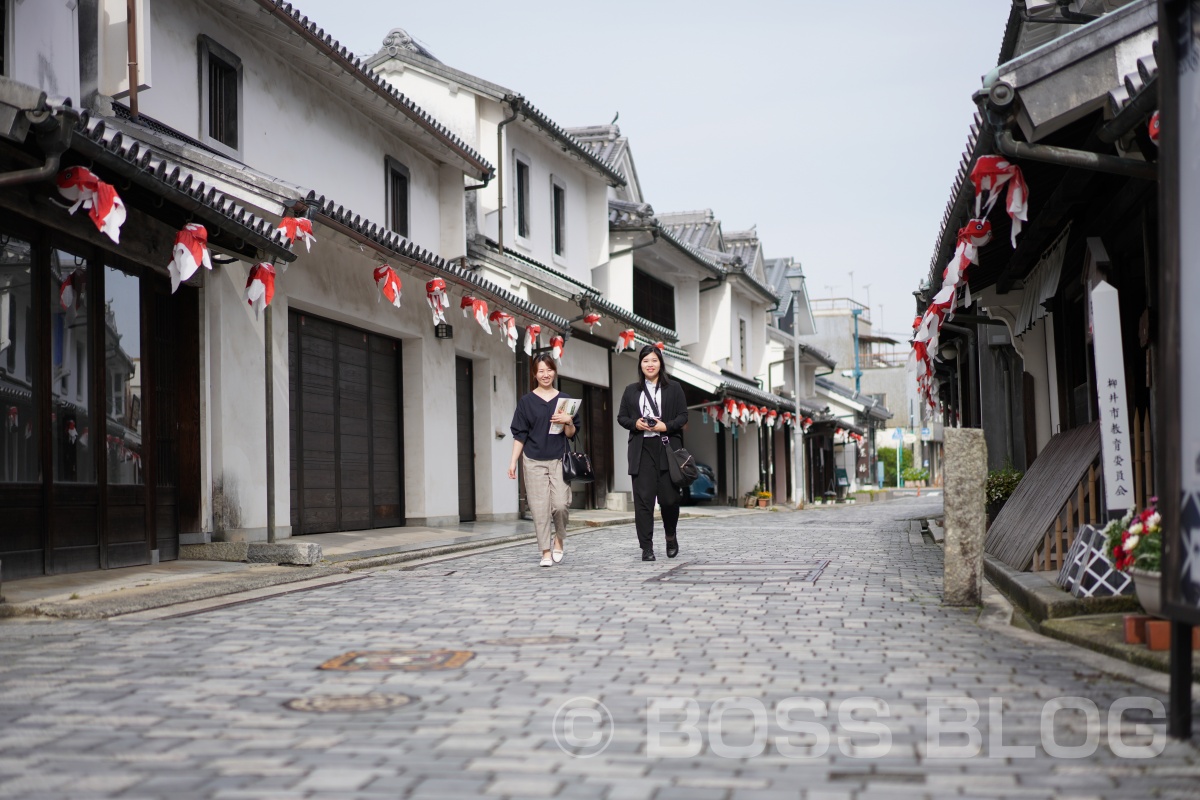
680 463
577 467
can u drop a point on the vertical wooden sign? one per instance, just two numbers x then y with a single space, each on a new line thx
1116 458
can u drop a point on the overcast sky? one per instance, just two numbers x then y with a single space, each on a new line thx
836 127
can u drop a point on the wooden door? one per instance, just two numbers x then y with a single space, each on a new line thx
598 414
464 392
344 426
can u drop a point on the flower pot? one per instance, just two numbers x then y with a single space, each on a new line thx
1158 634
1135 628
763 502
1148 593
993 510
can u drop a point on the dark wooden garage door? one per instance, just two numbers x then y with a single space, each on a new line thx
344 388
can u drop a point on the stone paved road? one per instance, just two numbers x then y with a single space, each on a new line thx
193 706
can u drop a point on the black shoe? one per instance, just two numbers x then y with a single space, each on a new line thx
672 548
648 555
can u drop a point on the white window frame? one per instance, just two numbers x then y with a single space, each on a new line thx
525 239
205 47
557 183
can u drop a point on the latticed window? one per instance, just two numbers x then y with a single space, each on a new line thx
221 72
653 299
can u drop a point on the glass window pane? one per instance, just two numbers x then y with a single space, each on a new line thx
123 376
19 454
71 370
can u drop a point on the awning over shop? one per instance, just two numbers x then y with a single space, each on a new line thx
722 386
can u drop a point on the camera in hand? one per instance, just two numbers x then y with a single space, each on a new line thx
650 421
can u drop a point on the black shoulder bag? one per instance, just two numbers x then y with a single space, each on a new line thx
577 467
680 463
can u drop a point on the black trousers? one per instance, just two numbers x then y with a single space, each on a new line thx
654 481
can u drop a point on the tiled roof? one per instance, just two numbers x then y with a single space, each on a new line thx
699 229
1145 79
357 69
605 142
488 89
622 213
874 408
748 247
406 251
184 187
534 115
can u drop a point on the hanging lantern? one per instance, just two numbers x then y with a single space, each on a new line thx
772 415
556 347
12 418
438 299
298 226
532 332
472 306
389 284
661 346
260 287
625 340
103 205
1155 127
70 294
189 254
991 174
72 434
592 321
507 327
83 437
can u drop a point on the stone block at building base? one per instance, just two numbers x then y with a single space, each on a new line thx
203 537
619 501
306 554
215 551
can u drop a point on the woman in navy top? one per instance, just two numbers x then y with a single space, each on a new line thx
540 453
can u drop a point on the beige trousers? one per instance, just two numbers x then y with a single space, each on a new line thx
549 498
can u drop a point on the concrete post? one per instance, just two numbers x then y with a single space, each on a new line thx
966 473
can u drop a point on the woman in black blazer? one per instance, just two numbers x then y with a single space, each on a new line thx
651 408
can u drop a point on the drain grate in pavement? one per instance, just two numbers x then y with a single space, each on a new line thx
348 703
398 660
774 574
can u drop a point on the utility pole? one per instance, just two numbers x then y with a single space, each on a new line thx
856 313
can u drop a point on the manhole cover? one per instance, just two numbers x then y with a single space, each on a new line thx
749 573
517 641
348 703
399 660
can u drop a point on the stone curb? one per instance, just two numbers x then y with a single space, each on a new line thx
1081 635
1042 600
113 604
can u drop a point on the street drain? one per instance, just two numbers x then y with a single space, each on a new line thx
774 574
398 660
876 777
518 641
348 703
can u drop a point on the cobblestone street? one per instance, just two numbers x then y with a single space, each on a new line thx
195 706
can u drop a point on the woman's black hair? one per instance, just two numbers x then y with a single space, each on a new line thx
663 380
533 367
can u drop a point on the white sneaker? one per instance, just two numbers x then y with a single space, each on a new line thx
546 562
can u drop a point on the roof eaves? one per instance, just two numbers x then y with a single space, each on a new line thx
716 269
355 67
535 115
142 165
405 251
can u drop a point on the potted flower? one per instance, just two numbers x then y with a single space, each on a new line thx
1000 485
1135 542
764 498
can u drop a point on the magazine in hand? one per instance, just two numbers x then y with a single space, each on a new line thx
568 405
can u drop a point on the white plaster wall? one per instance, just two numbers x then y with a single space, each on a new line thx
586 362
291 126
747 453
715 312
614 279
687 312
45 46
446 101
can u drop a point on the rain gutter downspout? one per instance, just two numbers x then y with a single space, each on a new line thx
54 138
973 369
514 102
995 105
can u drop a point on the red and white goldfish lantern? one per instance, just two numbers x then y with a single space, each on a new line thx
190 253
72 434
592 321
1155 127
532 332
743 412
772 416
787 418
625 340
477 308
730 415
661 346
438 299
507 327
71 292
83 437
12 418
260 287
293 227
991 174
556 347
806 423
389 284
104 206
